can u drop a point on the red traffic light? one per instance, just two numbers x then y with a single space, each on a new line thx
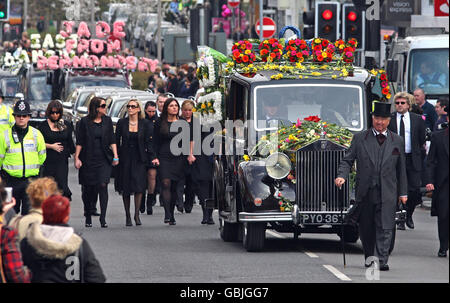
352 16
327 14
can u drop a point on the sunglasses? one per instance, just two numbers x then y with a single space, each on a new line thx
132 106
21 116
402 103
52 113
103 105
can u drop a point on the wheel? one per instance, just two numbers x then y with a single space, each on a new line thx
254 236
394 231
228 231
351 234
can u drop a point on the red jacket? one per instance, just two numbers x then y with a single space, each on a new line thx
12 258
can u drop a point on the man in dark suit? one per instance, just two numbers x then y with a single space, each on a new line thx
437 174
411 128
380 182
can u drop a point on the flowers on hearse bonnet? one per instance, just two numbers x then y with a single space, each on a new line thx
242 52
270 50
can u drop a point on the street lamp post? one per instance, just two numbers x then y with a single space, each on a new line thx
159 46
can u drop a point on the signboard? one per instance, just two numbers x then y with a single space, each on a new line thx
233 3
398 12
441 8
269 27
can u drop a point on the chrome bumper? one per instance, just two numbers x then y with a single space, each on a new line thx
265 217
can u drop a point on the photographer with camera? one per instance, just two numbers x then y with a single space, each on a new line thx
11 264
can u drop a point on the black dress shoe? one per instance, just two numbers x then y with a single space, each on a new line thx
401 226
384 267
210 222
180 209
442 253
188 210
166 220
88 222
410 223
172 223
104 225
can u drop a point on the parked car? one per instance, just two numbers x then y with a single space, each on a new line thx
139 27
150 29
64 81
78 98
152 39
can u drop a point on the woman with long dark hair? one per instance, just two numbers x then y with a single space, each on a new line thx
133 140
58 140
171 167
96 151
150 116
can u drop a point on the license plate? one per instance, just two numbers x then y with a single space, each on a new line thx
320 218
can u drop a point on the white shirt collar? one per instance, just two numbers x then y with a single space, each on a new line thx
375 132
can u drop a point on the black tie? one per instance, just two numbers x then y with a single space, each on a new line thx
402 127
381 138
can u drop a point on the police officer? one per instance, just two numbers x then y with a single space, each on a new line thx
6 115
22 153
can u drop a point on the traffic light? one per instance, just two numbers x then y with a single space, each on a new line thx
4 10
308 25
327 15
353 24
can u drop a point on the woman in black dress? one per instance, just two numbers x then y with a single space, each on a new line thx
58 139
95 151
133 141
171 167
150 115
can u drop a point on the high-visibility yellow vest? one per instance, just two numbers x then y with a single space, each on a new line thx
6 117
22 159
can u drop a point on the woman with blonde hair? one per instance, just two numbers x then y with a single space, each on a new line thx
133 139
38 190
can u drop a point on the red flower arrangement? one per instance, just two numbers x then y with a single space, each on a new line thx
322 50
312 118
270 50
296 50
242 52
339 45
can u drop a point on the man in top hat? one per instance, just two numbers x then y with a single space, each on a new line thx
22 153
437 181
6 116
380 182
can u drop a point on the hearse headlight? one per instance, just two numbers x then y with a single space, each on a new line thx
278 166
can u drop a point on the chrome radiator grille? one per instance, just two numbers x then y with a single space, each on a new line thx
316 171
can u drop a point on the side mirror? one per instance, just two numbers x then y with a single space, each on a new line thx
392 70
67 105
83 110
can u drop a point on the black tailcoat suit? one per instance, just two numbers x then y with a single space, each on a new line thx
380 181
414 160
437 174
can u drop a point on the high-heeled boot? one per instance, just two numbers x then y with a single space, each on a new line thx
150 202
142 206
209 217
167 215
205 214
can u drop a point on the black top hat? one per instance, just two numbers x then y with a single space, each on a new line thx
22 108
381 109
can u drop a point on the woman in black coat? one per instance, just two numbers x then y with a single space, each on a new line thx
96 151
52 250
171 167
150 116
133 140
58 139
